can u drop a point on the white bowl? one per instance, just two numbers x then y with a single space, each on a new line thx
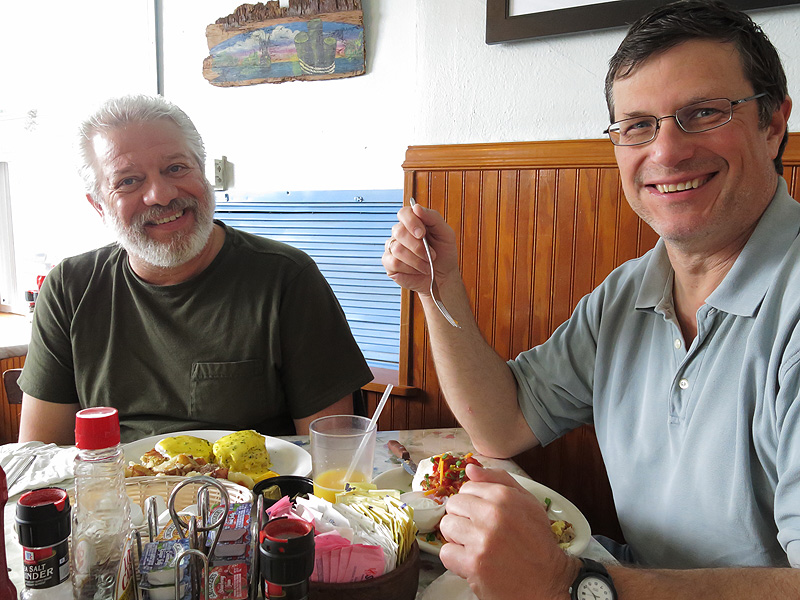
427 512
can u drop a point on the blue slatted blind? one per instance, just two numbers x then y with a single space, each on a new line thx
344 232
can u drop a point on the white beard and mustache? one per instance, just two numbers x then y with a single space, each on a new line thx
181 248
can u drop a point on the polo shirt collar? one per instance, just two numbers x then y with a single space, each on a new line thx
657 280
745 286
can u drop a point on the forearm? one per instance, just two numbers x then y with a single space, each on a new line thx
697 584
476 382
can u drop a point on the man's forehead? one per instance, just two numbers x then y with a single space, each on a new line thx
123 147
691 71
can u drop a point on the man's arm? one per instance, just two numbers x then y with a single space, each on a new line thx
698 584
48 422
340 407
477 383
503 546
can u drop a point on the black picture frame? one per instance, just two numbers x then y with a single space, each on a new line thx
601 15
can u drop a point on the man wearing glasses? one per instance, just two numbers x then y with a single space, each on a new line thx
687 360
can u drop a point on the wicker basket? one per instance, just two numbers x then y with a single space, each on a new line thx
141 488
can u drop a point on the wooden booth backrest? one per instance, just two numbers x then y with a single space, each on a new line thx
9 413
539 225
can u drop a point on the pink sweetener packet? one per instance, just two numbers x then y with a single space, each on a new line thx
320 564
329 540
333 570
344 562
281 508
366 562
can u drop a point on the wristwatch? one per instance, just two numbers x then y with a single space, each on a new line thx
592 583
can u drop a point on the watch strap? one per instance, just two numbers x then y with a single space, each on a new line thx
592 568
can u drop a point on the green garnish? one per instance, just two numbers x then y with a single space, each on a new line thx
430 537
547 503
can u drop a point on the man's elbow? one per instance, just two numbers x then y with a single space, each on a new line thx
507 444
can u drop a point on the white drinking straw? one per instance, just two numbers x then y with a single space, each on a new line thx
372 425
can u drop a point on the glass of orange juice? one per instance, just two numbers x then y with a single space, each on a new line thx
335 441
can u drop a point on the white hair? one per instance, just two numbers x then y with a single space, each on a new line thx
119 112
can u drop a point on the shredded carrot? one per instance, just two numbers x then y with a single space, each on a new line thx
448 475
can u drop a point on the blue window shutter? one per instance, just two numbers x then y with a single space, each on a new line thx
344 232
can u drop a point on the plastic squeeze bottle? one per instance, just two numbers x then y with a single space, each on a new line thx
101 519
7 589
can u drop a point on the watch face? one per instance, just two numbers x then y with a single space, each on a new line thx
594 588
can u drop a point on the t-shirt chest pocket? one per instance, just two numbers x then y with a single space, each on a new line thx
227 392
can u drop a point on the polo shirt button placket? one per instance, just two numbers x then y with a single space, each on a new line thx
676 401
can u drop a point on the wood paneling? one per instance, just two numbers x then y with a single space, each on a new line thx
538 226
9 413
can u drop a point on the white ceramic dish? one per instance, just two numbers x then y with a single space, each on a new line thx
287 458
560 508
426 517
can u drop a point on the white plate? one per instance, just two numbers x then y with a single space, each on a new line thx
287 458
560 508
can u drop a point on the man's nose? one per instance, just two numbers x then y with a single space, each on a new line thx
159 191
672 144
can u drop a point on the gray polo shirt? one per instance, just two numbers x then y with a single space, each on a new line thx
702 444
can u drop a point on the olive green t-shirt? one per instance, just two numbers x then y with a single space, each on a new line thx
254 341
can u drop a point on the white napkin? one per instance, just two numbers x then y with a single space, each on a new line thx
42 465
450 586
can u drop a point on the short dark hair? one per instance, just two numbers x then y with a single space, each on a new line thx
684 20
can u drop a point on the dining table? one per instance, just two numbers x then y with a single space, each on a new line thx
420 443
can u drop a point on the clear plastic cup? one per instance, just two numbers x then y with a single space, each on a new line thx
335 441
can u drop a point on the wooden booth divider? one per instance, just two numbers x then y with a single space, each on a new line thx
9 413
538 225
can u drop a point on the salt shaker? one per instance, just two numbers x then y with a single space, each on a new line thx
43 526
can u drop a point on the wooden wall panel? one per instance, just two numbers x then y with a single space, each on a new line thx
9 413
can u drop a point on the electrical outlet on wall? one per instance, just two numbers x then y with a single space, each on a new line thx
221 173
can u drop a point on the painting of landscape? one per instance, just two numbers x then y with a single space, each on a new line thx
287 50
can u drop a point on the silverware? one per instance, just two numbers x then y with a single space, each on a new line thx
400 452
18 470
439 303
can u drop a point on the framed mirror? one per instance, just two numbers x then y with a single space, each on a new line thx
514 20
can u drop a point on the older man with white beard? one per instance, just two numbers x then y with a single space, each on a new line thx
183 323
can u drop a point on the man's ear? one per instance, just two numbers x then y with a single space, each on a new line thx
98 206
777 126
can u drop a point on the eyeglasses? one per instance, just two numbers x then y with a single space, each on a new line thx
695 118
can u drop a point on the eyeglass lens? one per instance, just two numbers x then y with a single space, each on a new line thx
694 118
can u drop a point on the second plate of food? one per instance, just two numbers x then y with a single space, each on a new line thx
560 509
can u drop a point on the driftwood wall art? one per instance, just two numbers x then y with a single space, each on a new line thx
267 43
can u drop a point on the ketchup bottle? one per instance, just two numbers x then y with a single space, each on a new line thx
7 589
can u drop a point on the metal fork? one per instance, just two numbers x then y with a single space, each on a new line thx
439 303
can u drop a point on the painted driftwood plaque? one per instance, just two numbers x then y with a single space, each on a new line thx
267 43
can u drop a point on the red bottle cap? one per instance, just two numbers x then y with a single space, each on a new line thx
97 428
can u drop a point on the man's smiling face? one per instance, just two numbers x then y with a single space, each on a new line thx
699 191
155 196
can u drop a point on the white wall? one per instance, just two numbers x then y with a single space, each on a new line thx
302 135
60 59
542 89
431 79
